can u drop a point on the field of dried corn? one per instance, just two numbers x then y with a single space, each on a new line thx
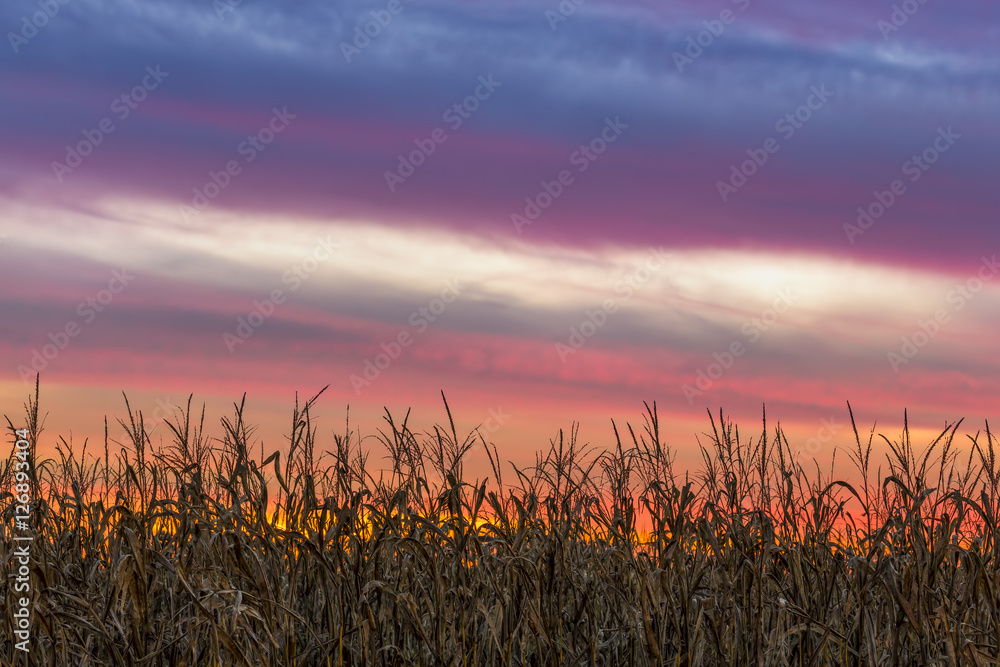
200 552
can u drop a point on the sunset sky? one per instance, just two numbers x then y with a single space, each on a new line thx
550 211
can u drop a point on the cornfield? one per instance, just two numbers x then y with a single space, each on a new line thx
203 551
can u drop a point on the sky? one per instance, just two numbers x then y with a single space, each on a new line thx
549 211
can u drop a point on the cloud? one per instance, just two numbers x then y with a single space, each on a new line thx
355 120
657 185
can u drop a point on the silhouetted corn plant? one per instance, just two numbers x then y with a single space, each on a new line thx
204 551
